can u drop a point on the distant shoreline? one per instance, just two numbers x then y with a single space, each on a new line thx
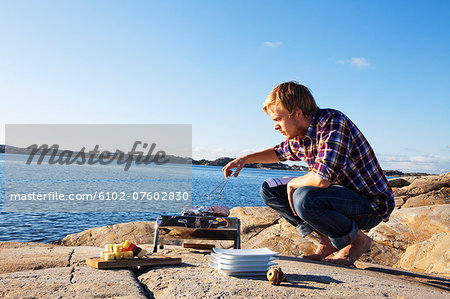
224 160
280 166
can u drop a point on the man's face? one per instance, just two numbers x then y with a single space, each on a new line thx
289 126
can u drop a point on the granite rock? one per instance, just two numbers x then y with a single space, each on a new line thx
422 212
33 256
435 197
35 270
194 279
424 184
398 182
284 238
254 219
429 256
412 225
71 282
140 232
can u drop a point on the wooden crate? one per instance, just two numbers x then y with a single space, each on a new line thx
147 260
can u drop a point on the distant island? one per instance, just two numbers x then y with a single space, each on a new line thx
281 166
67 154
224 160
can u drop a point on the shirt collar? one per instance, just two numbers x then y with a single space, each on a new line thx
312 128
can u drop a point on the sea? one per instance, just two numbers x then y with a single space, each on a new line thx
47 227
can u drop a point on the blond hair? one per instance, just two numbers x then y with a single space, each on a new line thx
291 95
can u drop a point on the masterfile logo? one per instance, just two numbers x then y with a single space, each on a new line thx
67 157
98 168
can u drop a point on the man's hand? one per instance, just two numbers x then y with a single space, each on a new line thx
236 163
309 179
264 156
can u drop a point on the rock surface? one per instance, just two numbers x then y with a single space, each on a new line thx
435 197
399 182
430 256
304 279
423 211
195 279
412 225
254 220
425 184
420 225
34 270
15 256
140 232
71 282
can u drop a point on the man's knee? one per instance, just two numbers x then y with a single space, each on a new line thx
265 192
305 200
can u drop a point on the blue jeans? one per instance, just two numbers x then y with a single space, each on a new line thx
337 212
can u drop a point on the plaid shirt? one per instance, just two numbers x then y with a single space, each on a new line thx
336 150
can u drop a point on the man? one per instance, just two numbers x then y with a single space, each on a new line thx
345 189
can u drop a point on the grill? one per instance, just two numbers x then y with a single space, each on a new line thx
196 227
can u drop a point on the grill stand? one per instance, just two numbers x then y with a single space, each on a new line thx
197 227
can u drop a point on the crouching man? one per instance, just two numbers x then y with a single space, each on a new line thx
345 190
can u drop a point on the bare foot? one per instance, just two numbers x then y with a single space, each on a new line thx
348 255
324 249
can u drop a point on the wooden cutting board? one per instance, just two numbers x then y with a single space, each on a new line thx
147 260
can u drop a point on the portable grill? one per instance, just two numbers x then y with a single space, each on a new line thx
196 227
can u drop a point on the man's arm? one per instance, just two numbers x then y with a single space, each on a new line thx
309 179
264 156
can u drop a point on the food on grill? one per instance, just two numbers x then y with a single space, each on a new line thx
222 211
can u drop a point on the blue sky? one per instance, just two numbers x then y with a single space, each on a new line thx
385 64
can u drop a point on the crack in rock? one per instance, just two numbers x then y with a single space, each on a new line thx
133 231
72 270
69 260
144 289
264 228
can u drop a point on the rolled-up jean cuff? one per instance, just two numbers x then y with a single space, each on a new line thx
345 240
304 229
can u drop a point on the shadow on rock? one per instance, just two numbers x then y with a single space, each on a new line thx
438 282
314 278
322 263
145 269
297 281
